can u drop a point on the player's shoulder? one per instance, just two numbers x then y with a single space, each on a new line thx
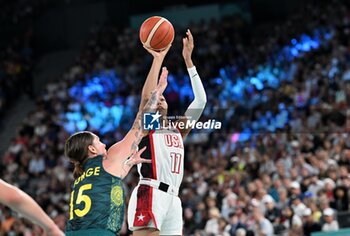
115 149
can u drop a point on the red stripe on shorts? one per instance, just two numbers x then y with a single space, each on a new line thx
144 212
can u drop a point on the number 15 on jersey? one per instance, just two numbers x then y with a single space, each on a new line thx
81 198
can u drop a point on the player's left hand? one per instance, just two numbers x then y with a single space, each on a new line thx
188 45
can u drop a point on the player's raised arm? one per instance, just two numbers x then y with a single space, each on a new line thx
129 145
197 106
152 77
21 202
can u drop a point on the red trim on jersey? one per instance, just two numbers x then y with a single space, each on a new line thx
154 166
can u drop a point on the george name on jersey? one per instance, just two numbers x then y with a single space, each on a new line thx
89 172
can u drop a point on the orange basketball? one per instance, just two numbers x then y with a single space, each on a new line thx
156 33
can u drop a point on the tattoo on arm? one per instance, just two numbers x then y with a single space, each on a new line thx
152 102
138 137
127 162
150 106
126 167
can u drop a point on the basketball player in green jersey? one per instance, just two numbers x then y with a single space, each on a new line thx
97 200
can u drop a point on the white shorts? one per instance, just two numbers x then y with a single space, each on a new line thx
152 208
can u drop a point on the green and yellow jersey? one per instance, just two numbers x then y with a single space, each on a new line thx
96 203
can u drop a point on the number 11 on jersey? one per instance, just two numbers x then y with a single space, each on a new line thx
176 160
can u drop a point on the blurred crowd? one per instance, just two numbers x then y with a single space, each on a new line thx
17 11
292 181
16 69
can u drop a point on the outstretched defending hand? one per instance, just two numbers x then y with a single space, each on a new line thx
136 158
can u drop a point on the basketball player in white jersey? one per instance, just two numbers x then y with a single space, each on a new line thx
154 207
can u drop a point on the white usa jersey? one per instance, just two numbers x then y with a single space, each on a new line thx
166 150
